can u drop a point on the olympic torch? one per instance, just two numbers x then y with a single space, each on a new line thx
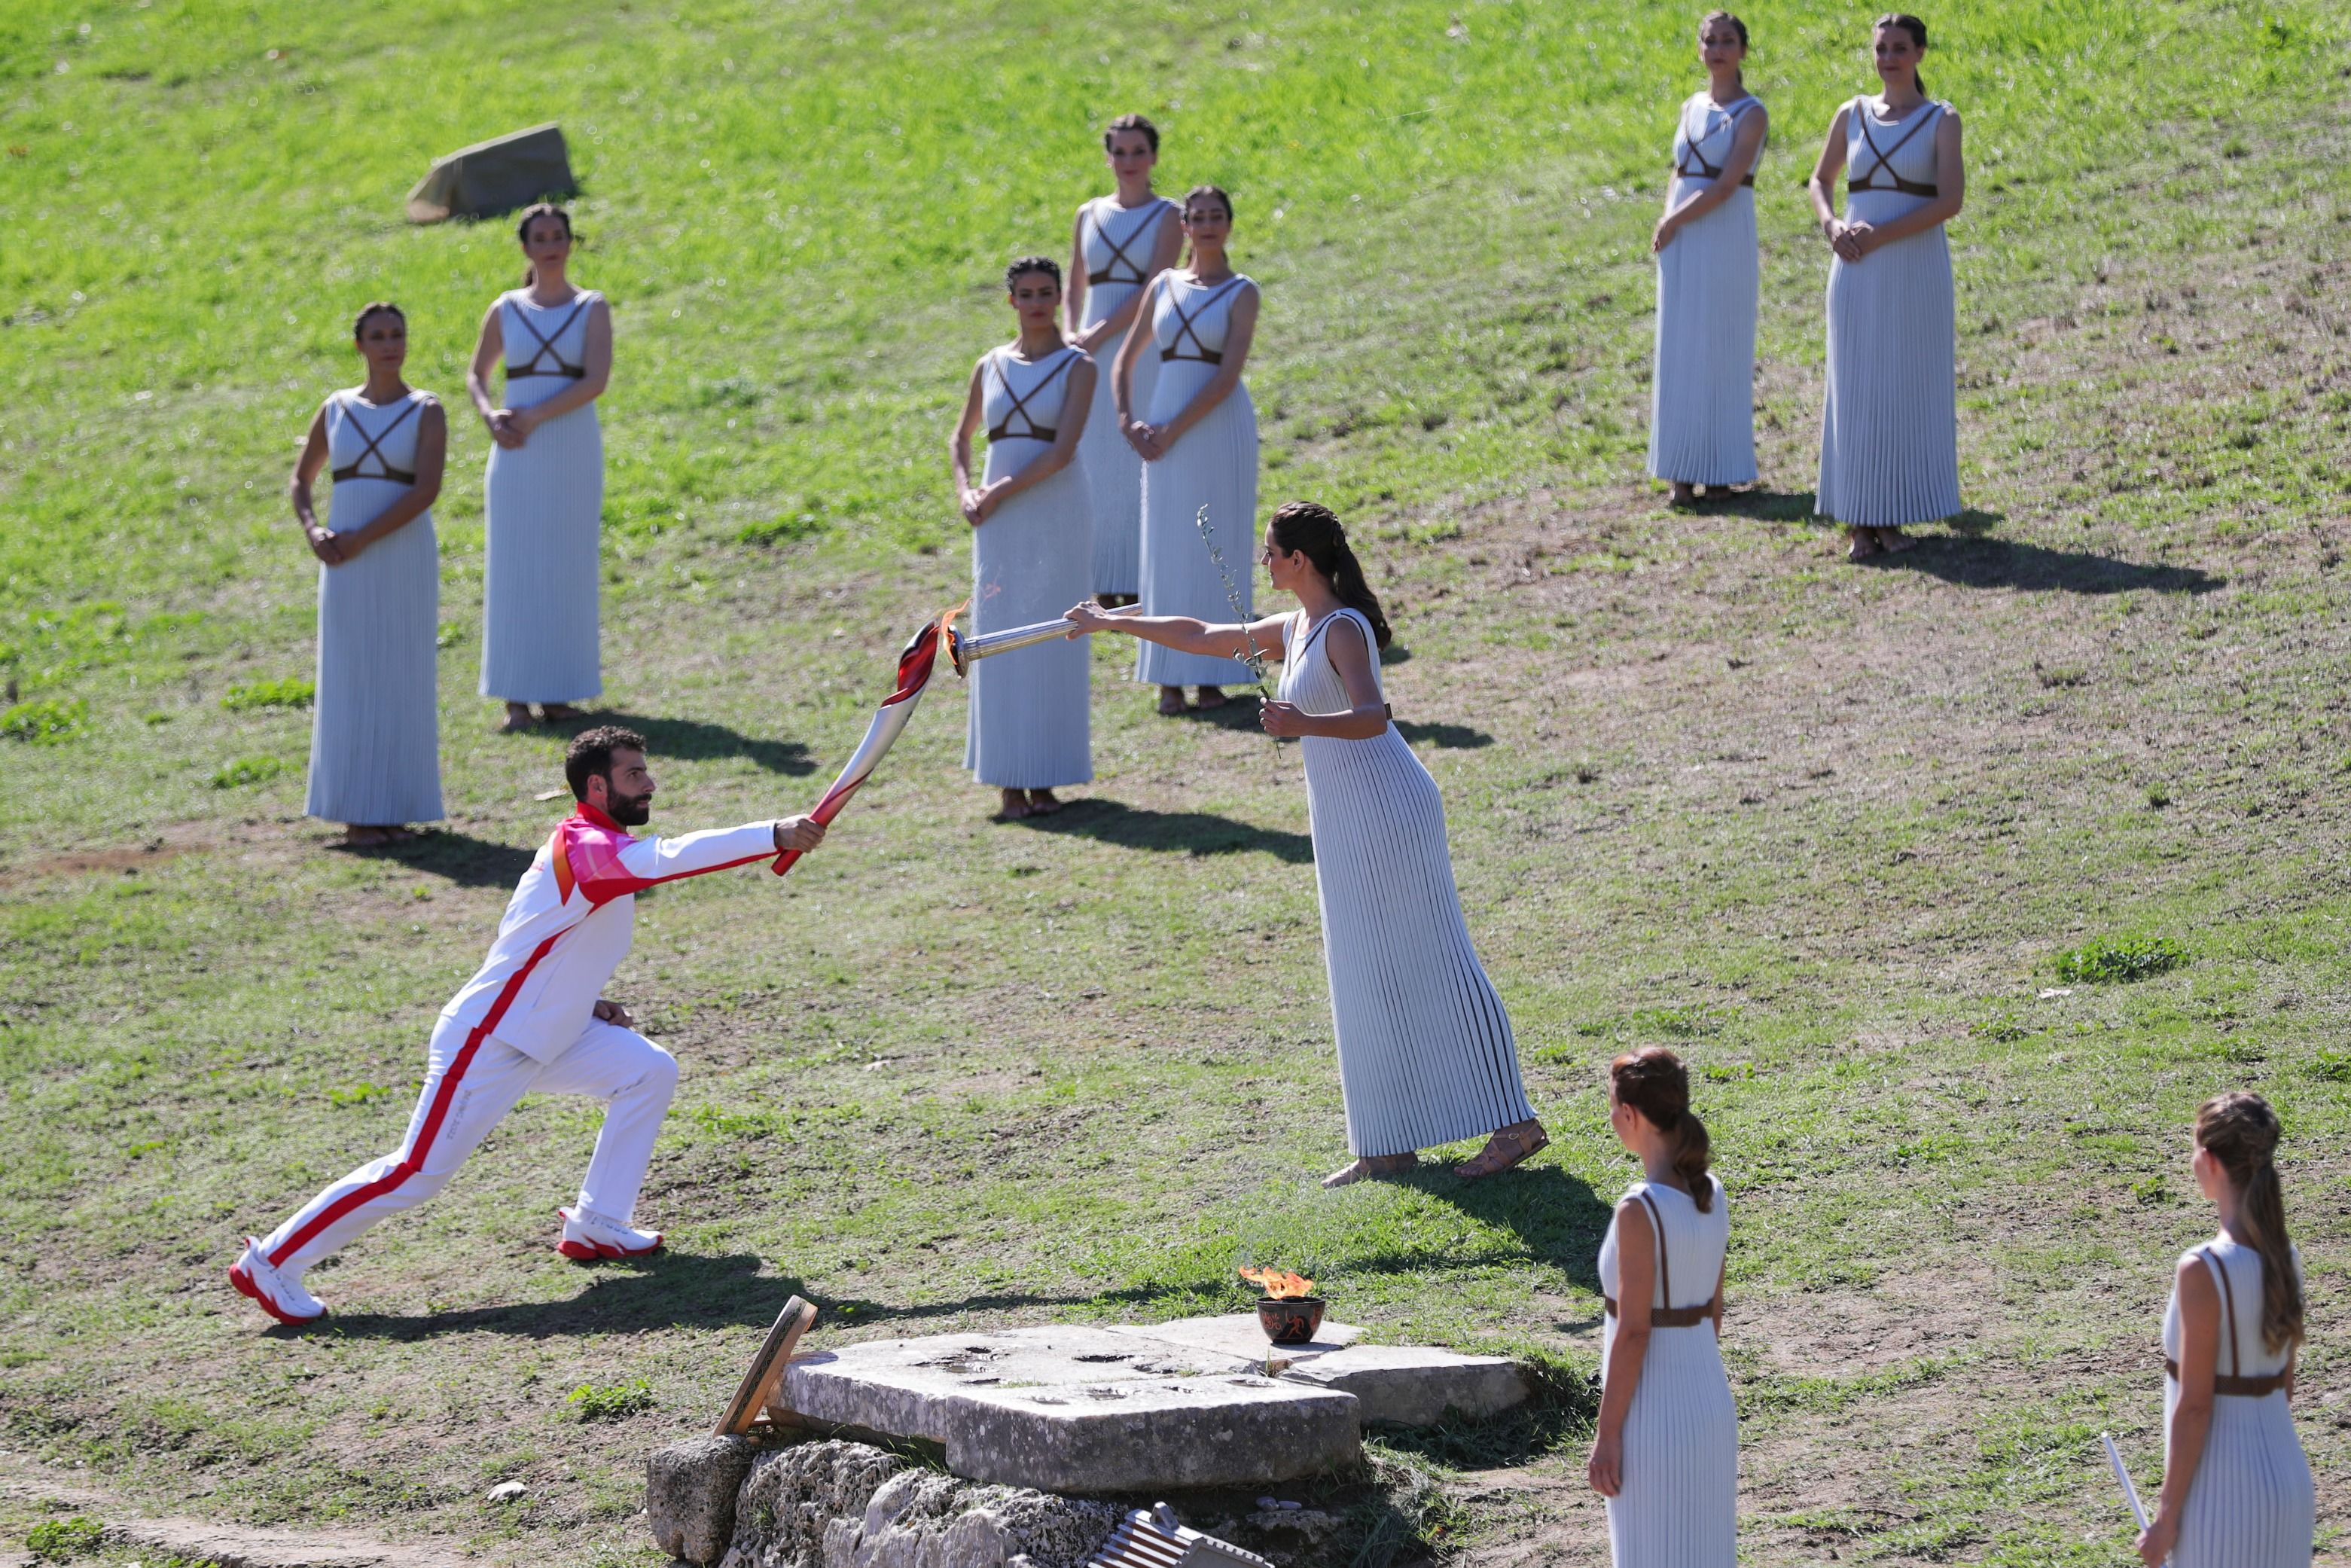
916 664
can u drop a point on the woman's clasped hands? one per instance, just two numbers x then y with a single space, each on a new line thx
1850 241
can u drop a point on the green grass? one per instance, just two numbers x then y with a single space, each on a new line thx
1827 832
63 1540
606 1402
286 693
2108 960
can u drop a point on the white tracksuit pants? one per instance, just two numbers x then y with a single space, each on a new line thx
469 1086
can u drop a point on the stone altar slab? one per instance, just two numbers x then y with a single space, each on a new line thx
1082 1409
1131 1408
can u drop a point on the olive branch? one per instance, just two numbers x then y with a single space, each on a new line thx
1249 654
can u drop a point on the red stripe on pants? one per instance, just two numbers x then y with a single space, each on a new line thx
421 1145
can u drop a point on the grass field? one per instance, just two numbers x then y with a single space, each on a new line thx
1830 831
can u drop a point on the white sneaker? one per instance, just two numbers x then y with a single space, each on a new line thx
278 1294
589 1236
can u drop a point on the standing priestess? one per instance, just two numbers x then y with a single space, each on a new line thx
546 484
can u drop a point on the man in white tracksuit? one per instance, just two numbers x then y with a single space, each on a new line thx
533 1019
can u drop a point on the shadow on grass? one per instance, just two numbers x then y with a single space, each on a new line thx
460 858
1444 737
1970 560
1187 832
675 1289
669 1289
1558 1415
1239 710
1557 1218
1760 501
692 740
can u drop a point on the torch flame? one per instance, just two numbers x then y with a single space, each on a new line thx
1279 1284
921 653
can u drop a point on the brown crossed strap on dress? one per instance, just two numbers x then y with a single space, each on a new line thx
531 367
1158 209
1036 432
1705 171
1667 1317
2235 1384
352 470
1185 318
1884 166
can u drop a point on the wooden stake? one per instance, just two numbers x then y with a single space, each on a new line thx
762 1387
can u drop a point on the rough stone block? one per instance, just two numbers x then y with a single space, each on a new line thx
1082 1411
1413 1386
846 1505
690 1490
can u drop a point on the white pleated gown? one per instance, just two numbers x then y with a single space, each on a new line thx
1118 243
1028 727
2251 1504
1215 465
1702 396
1678 1506
1425 1053
545 508
1890 433
375 737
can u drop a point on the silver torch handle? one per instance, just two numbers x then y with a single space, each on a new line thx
987 642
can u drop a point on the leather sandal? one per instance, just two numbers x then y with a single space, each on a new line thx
1507 1147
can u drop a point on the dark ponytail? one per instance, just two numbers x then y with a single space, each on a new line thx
2240 1131
1917 31
1313 530
522 232
1652 1082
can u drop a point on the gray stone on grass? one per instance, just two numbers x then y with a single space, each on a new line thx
495 176
690 1490
1076 1409
1412 1385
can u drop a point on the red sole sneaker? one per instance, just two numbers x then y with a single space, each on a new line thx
595 1251
246 1287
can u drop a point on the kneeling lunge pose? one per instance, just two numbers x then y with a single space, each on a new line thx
1426 1055
533 1021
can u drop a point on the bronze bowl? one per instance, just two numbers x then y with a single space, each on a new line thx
1290 1320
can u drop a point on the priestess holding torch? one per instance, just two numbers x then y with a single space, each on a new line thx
1426 1055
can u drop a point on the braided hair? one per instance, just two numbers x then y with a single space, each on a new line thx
1738 28
372 309
2240 1131
1027 264
1218 194
1652 1082
1313 530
